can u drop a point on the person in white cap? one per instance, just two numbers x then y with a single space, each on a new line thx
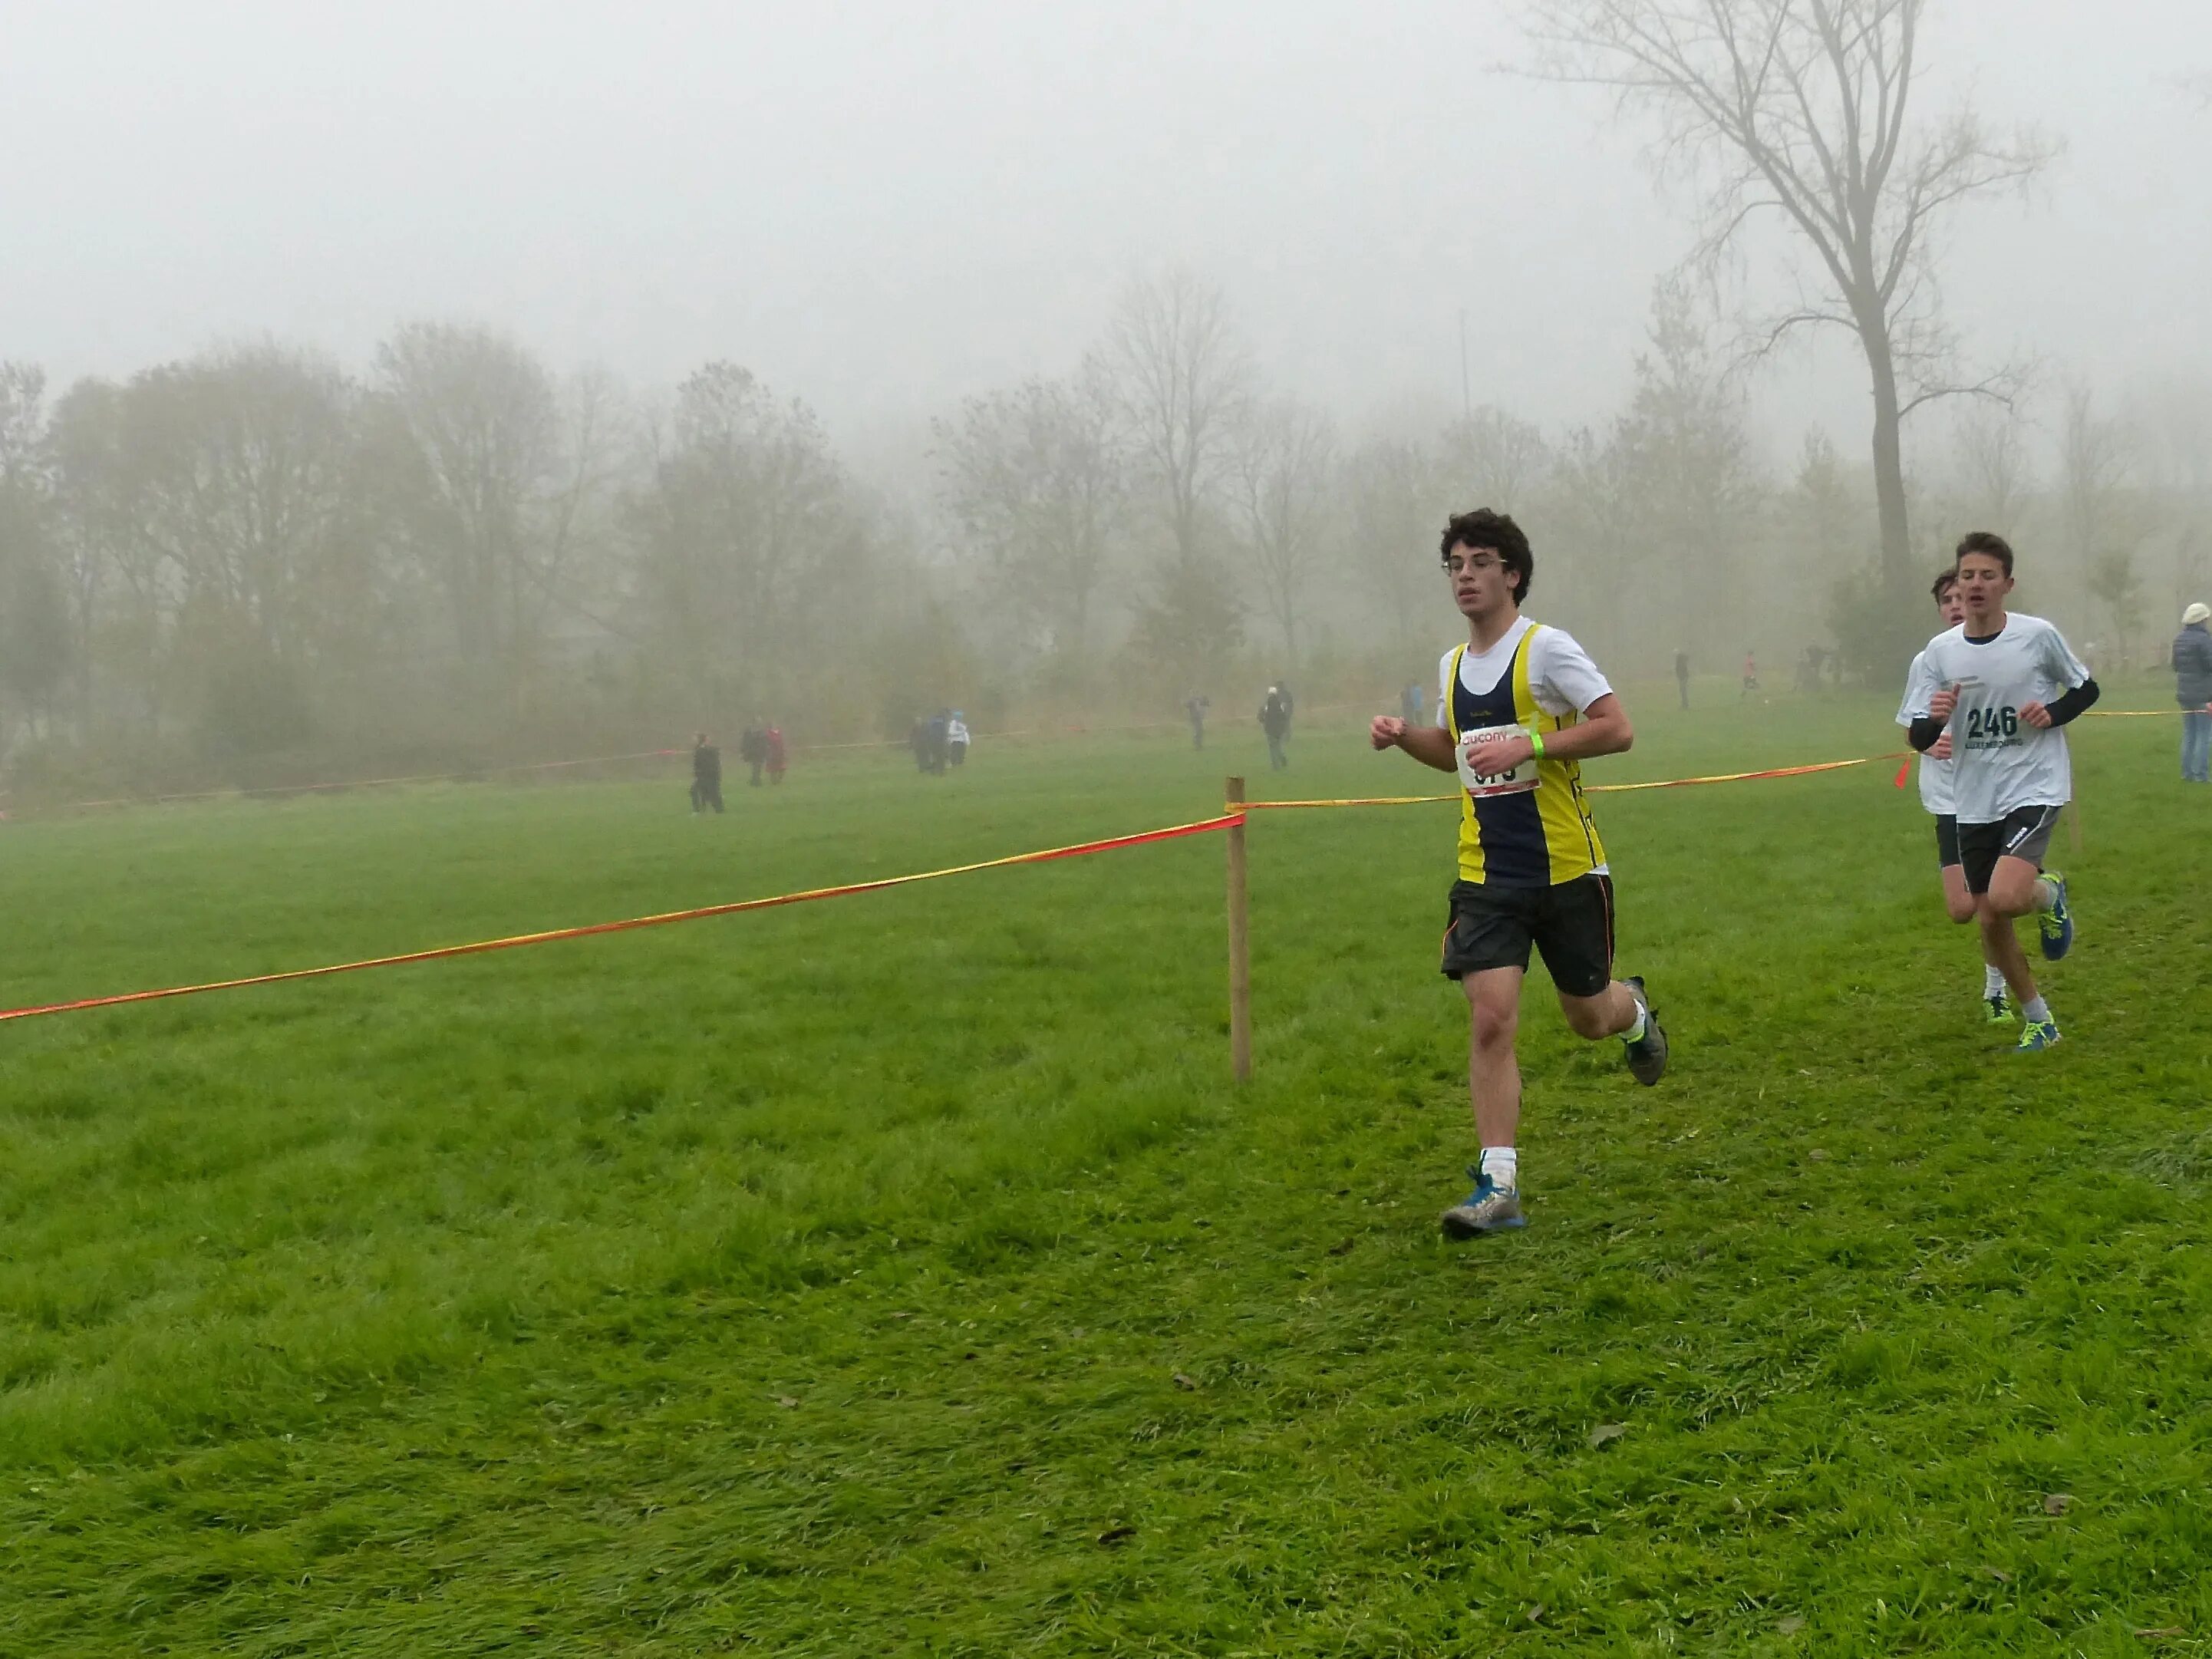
2192 673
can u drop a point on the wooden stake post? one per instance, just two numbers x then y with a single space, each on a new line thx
1240 953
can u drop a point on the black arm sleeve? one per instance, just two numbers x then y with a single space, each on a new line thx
2073 702
1924 731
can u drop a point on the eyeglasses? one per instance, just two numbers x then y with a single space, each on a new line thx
1455 563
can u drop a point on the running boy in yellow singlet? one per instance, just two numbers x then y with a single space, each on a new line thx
1519 706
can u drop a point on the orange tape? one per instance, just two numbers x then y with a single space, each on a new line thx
1228 820
1589 789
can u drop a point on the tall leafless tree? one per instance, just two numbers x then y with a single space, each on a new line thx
1182 377
1282 483
482 417
1994 472
1034 477
1803 112
1493 458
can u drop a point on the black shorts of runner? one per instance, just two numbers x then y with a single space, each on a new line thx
1946 841
1571 923
2024 833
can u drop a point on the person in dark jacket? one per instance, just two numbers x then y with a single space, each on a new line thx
706 775
2192 677
752 749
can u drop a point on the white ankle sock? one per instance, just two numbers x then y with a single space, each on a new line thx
2046 892
1993 983
1503 1165
1635 1033
2035 1010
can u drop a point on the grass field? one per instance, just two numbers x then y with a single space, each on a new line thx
903 1274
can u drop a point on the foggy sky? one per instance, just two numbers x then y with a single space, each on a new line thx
881 210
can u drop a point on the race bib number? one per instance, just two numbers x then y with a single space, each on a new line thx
1475 775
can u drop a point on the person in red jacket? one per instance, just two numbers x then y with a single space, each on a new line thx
776 760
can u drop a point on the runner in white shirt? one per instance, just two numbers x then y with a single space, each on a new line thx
1935 796
2003 686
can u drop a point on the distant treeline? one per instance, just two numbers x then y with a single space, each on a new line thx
254 565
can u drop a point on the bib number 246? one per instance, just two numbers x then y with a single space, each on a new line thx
1992 723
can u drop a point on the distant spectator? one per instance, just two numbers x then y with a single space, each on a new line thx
917 739
940 724
752 749
2192 675
1750 675
1682 677
772 751
956 738
706 775
1275 721
1196 708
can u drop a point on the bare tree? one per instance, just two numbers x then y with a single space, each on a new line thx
1496 458
1034 478
1182 378
1993 468
1686 460
748 525
1800 111
2095 458
1395 506
482 417
1282 480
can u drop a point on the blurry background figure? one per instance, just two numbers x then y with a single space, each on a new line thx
1808 670
1411 702
1682 677
917 738
1750 675
706 775
2192 677
956 738
940 728
752 749
773 750
1275 721
1196 708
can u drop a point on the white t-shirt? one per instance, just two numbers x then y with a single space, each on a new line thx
1936 791
2001 763
1562 678
957 731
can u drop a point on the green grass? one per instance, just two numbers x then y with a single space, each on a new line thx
902 1275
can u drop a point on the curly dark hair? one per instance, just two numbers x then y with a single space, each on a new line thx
1497 533
1946 580
1988 542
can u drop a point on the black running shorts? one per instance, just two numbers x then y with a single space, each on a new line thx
1571 923
2022 834
1946 841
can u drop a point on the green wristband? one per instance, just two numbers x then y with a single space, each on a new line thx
1536 743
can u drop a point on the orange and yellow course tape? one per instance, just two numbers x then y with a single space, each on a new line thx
1226 821
1588 789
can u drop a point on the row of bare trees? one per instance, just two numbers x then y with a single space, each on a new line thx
254 553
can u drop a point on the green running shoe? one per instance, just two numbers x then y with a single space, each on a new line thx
2036 1035
2056 925
2000 1007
